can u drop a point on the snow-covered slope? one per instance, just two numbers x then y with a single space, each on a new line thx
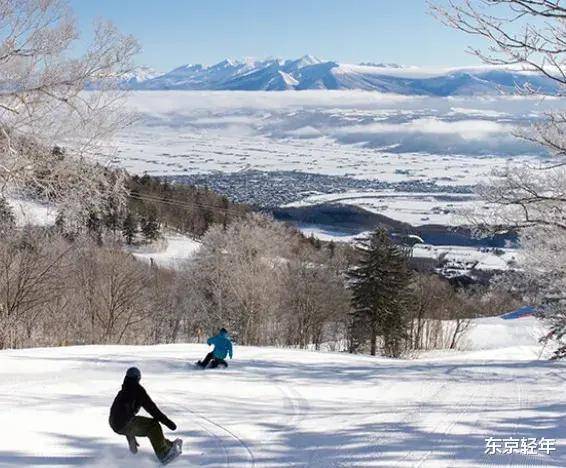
288 408
309 72
28 212
171 252
202 77
516 337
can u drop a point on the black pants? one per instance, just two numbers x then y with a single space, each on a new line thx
214 361
148 427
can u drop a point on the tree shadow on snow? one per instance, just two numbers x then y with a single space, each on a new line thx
392 370
88 451
407 444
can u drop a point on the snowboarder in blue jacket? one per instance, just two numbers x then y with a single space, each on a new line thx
222 348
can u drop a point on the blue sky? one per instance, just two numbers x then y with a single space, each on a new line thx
175 32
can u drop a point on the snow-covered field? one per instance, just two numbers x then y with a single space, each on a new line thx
453 141
410 207
361 134
465 258
277 407
327 234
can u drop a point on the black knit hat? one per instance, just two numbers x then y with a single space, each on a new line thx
133 373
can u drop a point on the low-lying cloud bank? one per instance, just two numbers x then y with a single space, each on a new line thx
433 135
392 123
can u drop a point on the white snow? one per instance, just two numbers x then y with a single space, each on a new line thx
415 208
28 212
288 79
481 258
276 407
451 141
173 250
309 72
495 333
329 234
140 74
421 72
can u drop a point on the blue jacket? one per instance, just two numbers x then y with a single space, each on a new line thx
222 345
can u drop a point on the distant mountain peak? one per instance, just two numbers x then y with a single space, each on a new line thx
227 62
140 74
309 59
310 72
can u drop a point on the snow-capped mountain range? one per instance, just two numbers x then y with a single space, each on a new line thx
139 75
309 72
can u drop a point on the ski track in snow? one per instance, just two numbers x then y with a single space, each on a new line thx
220 438
278 408
219 433
415 416
218 442
445 427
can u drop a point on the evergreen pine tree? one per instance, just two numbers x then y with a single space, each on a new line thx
130 228
113 216
379 286
94 226
331 248
7 218
150 227
112 221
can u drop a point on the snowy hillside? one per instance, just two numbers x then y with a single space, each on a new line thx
276 407
32 212
309 72
170 252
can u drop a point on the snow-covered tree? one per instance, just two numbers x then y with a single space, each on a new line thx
316 303
49 124
268 285
240 271
379 291
530 34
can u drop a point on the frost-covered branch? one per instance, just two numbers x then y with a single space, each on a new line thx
532 35
50 126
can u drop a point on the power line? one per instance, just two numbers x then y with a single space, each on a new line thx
187 204
183 204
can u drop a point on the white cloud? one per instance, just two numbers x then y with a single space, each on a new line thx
402 124
467 129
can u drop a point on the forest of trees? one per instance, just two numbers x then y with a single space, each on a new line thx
152 206
184 208
263 280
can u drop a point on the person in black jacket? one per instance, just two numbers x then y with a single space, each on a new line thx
123 419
